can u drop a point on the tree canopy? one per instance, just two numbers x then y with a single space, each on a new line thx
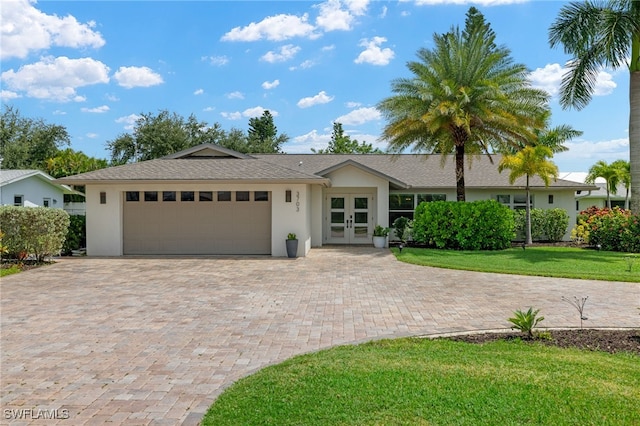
466 96
263 135
342 143
26 143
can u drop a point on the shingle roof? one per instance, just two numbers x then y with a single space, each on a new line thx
196 169
8 176
418 171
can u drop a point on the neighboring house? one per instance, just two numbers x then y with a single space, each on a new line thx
595 197
211 200
34 188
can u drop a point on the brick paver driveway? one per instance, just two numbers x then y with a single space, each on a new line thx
155 340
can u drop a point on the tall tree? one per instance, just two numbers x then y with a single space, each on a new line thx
609 173
342 143
530 161
624 171
155 136
263 135
597 34
69 162
467 96
26 143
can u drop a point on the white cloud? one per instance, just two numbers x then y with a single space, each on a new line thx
198 92
268 85
92 135
328 48
209 109
549 79
286 52
479 2
353 104
216 60
257 112
129 121
97 110
130 77
587 153
235 95
359 116
25 28
111 97
274 28
7 95
56 78
384 11
320 98
357 7
373 54
232 115
303 143
332 17
59 112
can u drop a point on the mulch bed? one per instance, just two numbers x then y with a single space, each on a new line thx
611 341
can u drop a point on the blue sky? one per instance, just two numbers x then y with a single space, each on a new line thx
94 66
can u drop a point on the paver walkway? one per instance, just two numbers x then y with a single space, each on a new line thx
156 340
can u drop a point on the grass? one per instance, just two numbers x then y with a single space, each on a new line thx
14 269
562 262
431 382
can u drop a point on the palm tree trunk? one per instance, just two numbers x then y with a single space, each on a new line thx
528 214
634 136
460 172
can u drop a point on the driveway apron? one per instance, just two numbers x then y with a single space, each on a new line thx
155 340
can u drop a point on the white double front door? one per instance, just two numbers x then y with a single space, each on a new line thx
348 219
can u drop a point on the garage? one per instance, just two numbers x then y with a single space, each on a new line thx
196 222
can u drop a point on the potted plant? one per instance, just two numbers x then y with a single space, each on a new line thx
292 245
380 234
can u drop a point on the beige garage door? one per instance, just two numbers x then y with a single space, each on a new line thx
188 222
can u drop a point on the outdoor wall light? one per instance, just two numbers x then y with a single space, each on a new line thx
287 196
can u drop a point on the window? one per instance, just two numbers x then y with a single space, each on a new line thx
46 202
401 205
150 196
504 199
224 195
133 196
550 198
168 195
427 198
519 201
103 198
205 196
242 195
187 196
261 196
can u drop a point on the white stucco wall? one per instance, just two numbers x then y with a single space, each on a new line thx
34 190
105 224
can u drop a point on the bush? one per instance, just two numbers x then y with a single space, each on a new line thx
478 225
402 226
76 235
37 231
610 229
548 225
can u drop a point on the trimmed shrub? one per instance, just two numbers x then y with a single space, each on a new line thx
478 225
546 225
37 231
611 229
76 235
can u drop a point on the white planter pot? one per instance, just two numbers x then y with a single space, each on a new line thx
379 242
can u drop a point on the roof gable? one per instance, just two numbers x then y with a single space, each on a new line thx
350 162
11 176
206 150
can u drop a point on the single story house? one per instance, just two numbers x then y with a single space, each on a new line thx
211 200
596 197
35 188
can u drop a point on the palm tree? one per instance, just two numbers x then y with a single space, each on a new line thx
609 173
601 34
624 171
466 96
530 161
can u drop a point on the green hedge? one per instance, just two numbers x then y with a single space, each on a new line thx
37 231
478 225
546 225
76 235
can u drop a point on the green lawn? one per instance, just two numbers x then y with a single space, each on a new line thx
8 271
566 262
436 382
